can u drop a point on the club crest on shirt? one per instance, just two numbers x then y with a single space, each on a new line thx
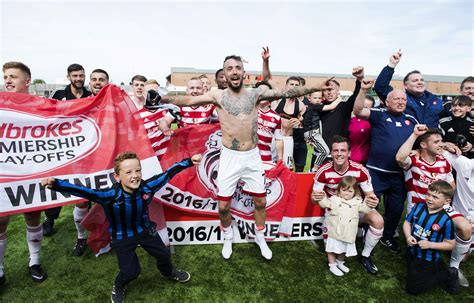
435 227
407 122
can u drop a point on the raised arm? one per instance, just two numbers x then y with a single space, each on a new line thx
158 181
96 195
359 109
266 75
382 85
208 98
404 150
294 92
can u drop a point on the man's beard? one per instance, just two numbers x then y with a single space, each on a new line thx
76 86
235 88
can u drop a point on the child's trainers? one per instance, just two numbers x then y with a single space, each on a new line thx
342 267
118 294
335 270
180 276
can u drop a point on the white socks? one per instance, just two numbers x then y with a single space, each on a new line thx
342 267
459 252
34 237
228 235
371 239
79 214
3 248
260 240
335 270
338 268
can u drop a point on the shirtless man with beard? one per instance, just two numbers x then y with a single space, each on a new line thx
237 108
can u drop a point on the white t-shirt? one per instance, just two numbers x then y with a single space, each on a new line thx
463 200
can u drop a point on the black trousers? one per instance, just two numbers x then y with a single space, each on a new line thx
53 213
423 275
300 150
129 265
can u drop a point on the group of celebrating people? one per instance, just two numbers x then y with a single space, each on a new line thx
403 149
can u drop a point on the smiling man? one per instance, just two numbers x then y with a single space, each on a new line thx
326 181
237 108
390 128
424 169
426 107
75 90
99 78
17 79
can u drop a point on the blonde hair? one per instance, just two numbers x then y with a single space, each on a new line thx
18 65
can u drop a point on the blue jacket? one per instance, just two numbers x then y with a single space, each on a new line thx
427 108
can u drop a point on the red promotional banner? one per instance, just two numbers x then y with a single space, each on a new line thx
75 140
190 203
302 222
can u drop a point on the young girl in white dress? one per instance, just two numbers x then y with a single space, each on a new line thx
342 223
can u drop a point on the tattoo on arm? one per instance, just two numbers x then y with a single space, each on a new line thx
272 95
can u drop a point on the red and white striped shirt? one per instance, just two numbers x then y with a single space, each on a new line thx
419 174
159 142
269 126
194 115
327 178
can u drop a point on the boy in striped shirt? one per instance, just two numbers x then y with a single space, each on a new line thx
126 208
422 170
428 230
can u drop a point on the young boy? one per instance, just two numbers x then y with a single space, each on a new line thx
126 208
428 229
313 129
456 127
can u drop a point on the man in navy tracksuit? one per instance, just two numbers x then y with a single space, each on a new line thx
126 208
390 129
426 107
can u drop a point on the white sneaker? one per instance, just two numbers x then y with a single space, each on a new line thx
227 249
335 270
342 267
228 235
264 249
462 279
